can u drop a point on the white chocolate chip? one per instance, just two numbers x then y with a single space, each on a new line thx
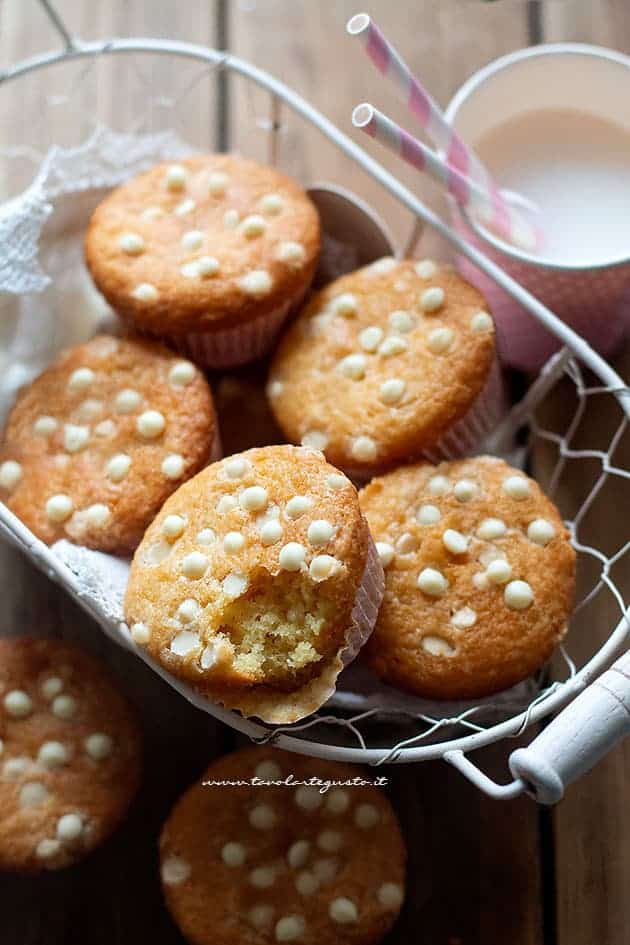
455 542
364 449
440 340
33 793
140 634
518 595
53 755
289 928
298 505
234 585
253 499
392 346
438 485
233 542
401 321
75 438
51 687
152 213
517 487
466 617
437 646
499 571
185 207
132 244
173 526
18 704
481 322
176 177
390 895
45 426
263 877
99 746
184 643
175 871
207 536
15 767
306 883
330 841
338 801
207 266
320 532
426 268
105 428
271 204
491 528
432 582
47 848
308 798
322 567
127 401
336 481
260 916
298 854
406 544
227 503
81 379
59 508
98 515
370 338
256 283
150 424
428 515
541 531
192 240
10 474
233 854
344 305
366 816
182 373
194 565
218 183
291 253
64 707
268 771
270 532
343 911
385 552
432 299
465 490
172 466
382 266
253 226
188 610
263 817
353 366
145 292
230 219
292 556
236 467
89 410
392 390
117 467
315 440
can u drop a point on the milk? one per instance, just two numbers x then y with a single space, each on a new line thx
575 167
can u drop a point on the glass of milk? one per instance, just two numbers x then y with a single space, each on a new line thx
552 124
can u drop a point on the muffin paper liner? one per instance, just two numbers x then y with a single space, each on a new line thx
282 708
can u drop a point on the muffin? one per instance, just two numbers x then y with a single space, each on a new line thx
257 582
70 755
210 254
387 364
268 862
96 443
479 577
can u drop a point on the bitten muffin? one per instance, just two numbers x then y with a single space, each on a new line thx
264 863
70 755
210 253
479 577
386 364
257 582
97 442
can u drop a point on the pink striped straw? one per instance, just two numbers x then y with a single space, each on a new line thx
466 191
499 215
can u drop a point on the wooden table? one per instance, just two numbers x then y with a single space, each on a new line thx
480 871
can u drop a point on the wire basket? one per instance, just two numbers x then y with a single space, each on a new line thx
552 435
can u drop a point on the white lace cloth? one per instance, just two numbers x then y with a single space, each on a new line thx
47 302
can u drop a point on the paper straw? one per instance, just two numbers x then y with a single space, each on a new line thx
466 192
499 215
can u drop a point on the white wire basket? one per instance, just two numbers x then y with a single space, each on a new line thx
552 429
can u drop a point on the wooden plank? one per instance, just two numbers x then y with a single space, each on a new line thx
305 44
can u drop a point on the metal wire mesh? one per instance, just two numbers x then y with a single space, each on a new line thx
553 430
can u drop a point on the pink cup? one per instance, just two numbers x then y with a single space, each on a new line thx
593 299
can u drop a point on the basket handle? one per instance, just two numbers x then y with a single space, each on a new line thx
586 730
